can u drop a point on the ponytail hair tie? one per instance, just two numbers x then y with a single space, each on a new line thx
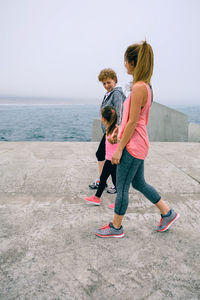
113 111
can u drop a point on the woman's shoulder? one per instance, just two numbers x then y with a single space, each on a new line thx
139 86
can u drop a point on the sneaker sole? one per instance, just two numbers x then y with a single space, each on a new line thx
92 203
111 192
170 224
112 236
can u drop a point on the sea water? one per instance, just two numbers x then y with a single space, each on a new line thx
57 122
47 122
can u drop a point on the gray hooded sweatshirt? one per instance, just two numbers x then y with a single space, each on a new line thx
115 99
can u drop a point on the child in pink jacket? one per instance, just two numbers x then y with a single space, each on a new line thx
109 119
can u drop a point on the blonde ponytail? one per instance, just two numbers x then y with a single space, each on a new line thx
142 57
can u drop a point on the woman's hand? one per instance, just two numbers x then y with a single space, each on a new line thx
111 140
116 157
113 137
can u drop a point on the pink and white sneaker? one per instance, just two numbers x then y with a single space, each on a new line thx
93 200
112 205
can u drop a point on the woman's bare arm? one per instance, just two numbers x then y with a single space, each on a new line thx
138 99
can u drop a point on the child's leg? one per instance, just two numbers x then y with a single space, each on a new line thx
100 165
104 176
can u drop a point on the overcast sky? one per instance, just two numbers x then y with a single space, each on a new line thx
56 48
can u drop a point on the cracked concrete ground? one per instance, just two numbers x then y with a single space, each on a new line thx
48 249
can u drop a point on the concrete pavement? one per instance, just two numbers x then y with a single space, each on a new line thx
48 249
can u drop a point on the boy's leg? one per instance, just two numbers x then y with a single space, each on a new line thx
113 174
100 155
113 189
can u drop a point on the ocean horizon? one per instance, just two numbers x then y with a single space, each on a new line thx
58 122
44 122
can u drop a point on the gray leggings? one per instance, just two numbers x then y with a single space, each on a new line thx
131 170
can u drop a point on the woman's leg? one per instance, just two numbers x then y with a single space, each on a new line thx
162 206
117 220
126 171
168 216
148 191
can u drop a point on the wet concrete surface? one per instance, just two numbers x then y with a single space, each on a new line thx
48 249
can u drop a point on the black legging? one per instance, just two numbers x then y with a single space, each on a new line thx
101 151
108 169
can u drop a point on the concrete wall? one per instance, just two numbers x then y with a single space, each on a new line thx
96 131
194 132
165 125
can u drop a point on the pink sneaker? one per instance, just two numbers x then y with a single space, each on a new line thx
93 200
112 205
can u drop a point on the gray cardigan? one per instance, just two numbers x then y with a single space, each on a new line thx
115 99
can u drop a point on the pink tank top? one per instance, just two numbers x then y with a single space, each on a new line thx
138 145
110 149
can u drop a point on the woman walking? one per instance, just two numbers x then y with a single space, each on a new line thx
134 143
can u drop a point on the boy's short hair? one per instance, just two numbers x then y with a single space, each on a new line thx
107 73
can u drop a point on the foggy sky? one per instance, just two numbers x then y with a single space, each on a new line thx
56 48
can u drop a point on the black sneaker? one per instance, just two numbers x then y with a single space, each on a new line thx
112 190
94 185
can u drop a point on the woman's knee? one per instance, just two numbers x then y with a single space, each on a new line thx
139 186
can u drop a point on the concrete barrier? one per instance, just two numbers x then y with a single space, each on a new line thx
165 125
194 132
96 131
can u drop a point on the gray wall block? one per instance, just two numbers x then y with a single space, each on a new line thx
194 132
165 125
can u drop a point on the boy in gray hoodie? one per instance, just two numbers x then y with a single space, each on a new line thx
114 97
